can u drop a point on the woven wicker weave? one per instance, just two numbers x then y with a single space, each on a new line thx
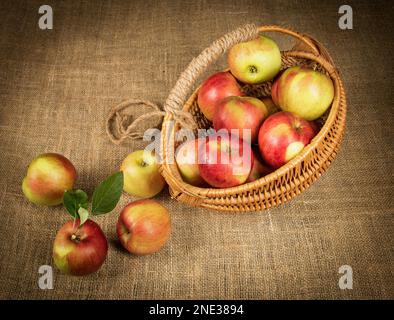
290 179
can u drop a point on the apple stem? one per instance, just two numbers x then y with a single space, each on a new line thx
143 163
252 69
75 238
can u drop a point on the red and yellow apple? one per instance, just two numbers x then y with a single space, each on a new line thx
79 250
225 160
48 176
141 174
303 91
187 161
283 136
242 113
214 89
143 227
259 169
255 61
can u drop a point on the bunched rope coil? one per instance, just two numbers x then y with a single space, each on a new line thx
179 94
118 121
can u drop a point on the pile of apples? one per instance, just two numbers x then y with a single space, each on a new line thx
80 247
264 133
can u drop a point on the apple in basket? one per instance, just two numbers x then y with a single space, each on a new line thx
225 160
141 174
303 91
187 161
259 169
242 113
143 227
79 250
48 176
214 89
255 61
283 136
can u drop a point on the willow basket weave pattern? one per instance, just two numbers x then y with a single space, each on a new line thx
290 179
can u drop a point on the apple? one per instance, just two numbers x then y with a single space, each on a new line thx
78 250
283 136
214 89
242 113
143 227
141 174
259 169
48 176
225 160
303 91
187 161
255 61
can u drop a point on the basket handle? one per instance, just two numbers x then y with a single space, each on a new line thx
179 93
304 41
198 65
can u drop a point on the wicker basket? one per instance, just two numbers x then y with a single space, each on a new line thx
290 179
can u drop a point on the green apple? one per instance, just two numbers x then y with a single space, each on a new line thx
141 174
255 61
303 91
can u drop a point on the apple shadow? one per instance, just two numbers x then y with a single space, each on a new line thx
115 244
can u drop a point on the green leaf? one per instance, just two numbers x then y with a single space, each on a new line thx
107 194
73 200
83 216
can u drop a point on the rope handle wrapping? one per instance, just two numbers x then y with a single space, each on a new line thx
129 131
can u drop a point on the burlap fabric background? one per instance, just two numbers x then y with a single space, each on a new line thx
57 86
